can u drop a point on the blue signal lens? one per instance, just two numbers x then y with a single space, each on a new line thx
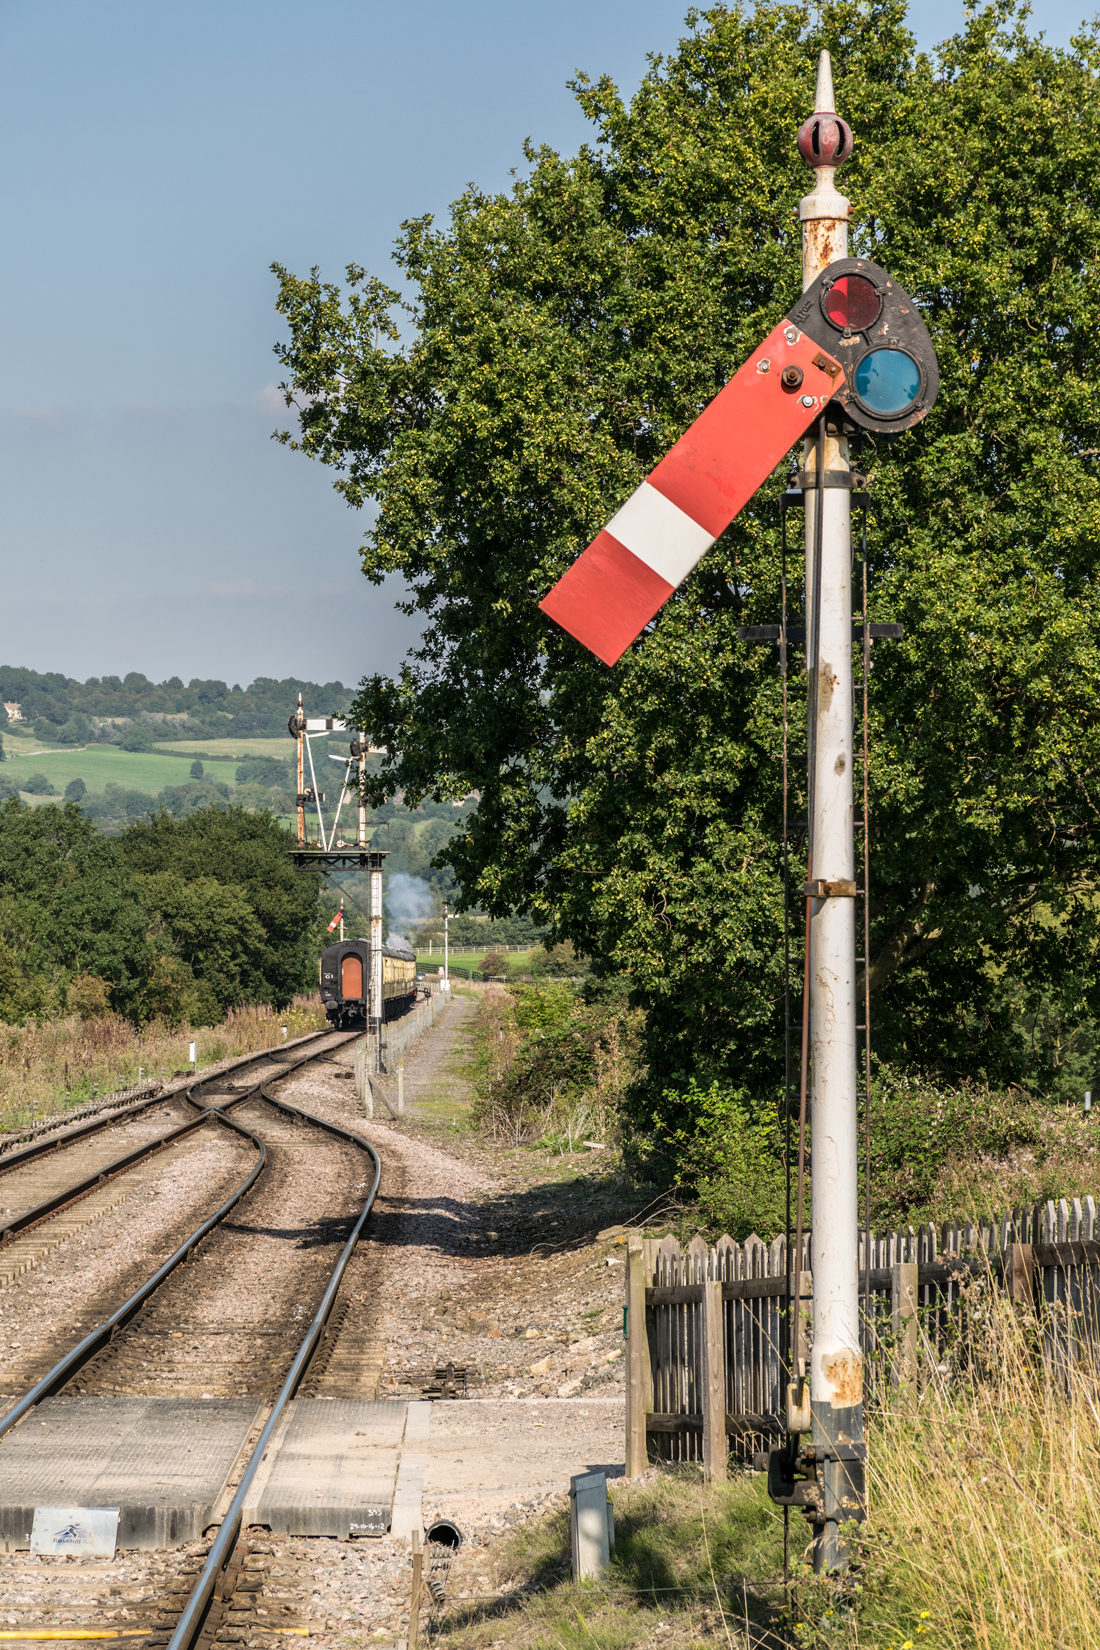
887 382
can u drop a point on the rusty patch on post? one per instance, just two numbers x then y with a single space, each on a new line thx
843 1373
826 682
824 240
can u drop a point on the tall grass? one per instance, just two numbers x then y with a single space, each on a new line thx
984 1528
56 1065
983 1534
549 1067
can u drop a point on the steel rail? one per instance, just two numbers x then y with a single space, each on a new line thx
53 1142
79 1188
69 1194
192 1621
103 1333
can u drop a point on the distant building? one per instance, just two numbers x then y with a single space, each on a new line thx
15 713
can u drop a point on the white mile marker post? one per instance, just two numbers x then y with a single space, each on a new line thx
836 1365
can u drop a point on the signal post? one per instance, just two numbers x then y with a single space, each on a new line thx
836 1365
852 354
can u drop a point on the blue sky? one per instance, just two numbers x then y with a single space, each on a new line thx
156 158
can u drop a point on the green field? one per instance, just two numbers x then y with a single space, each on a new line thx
518 961
233 749
100 765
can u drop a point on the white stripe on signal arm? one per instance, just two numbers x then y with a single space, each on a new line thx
660 534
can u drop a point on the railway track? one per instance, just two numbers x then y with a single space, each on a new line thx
216 1277
38 1183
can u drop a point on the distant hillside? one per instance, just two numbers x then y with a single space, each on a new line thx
112 709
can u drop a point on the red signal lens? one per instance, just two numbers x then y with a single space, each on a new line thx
852 302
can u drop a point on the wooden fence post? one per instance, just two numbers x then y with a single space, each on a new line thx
715 1447
1021 1275
903 1302
639 1375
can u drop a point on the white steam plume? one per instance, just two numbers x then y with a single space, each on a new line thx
408 899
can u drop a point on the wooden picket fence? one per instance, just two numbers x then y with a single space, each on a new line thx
705 1324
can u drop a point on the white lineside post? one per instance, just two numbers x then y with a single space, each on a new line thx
836 1367
446 950
362 789
301 774
376 1004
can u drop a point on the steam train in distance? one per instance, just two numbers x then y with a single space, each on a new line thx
346 976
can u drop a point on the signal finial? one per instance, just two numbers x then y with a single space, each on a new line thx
824 142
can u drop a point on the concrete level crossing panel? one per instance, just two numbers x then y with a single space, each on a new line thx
163 1462
482 1454
335 1469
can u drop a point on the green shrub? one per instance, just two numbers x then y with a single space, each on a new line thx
727 1158
543 1007
39 785
923 1133
553 1068
89 996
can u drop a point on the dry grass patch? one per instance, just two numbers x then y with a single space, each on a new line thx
57 1065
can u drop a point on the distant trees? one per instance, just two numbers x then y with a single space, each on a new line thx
75 730
197 769
64 711
75 789
265 770
228 900
39 784
137 738
178 917
68 907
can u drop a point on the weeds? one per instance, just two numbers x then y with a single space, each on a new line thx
551 1068
690 1561
49 1067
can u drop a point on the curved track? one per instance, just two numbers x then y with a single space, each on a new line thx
51 1191
109 1357
224 1562
86 1348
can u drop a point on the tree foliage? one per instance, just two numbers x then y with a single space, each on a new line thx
68 908
229 901
563 336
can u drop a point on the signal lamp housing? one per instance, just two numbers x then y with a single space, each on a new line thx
864 319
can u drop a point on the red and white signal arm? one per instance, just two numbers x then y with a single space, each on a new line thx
854 338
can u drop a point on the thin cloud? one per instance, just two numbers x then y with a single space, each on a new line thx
245 590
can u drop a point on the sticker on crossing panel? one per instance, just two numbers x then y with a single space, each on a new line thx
89 1531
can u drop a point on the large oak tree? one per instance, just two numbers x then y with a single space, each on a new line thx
561 336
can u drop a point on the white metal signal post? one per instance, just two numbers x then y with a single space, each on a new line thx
851 354
836 1365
